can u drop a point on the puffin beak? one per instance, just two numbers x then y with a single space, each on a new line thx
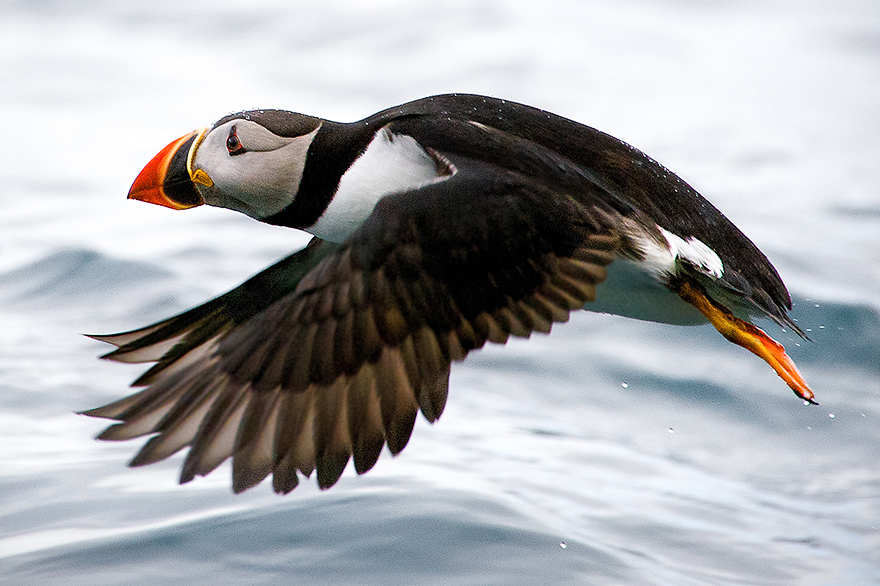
168 180
751 338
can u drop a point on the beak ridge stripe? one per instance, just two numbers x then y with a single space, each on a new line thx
192 152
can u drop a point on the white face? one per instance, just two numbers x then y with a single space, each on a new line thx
242 166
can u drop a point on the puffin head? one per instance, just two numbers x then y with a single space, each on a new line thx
251 162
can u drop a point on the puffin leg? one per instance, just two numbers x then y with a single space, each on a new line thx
748 336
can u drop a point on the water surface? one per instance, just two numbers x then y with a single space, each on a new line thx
610 452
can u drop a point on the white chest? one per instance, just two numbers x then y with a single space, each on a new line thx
391 163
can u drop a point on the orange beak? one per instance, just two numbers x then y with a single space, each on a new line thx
751 338
167 178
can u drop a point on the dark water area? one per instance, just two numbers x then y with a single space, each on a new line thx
610 452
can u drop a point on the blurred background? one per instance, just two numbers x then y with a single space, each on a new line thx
610 452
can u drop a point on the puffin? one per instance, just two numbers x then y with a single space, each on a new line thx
439 226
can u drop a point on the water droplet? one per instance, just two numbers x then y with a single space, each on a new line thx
810 428
671 430
831 415
815 305
625 385
806 402
563 545
821 327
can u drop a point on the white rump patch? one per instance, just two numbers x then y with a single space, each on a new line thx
391 163
664 261
695 252
637 288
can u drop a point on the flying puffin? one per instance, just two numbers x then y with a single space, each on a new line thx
439 225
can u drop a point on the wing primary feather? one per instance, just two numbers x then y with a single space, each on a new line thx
466 337
549 309
524 317
191 327
432 395
255 417
115 409
332 438
365 420
490 329
291 431
167 391
142 415
574 288
271 376
303 451
253 457
456 351
294 410
215 439
410 361
137 426
560 297
428 354
203 355
247 362
585 272
284 479
192 341
178 428
396 399
233 307
150 353
123 338
512 323
540 323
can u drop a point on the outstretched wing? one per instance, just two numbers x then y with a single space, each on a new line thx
332 352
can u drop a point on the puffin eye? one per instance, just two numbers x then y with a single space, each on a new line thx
233 145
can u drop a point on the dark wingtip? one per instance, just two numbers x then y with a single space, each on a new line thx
105 338
185 476
330 468
284 484
96 412
398 432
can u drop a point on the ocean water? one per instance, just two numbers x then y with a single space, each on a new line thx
611 452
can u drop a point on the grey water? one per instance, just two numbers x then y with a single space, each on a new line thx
611 452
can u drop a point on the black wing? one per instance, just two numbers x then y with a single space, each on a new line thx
621 172
354 339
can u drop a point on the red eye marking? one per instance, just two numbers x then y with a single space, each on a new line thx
233 145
